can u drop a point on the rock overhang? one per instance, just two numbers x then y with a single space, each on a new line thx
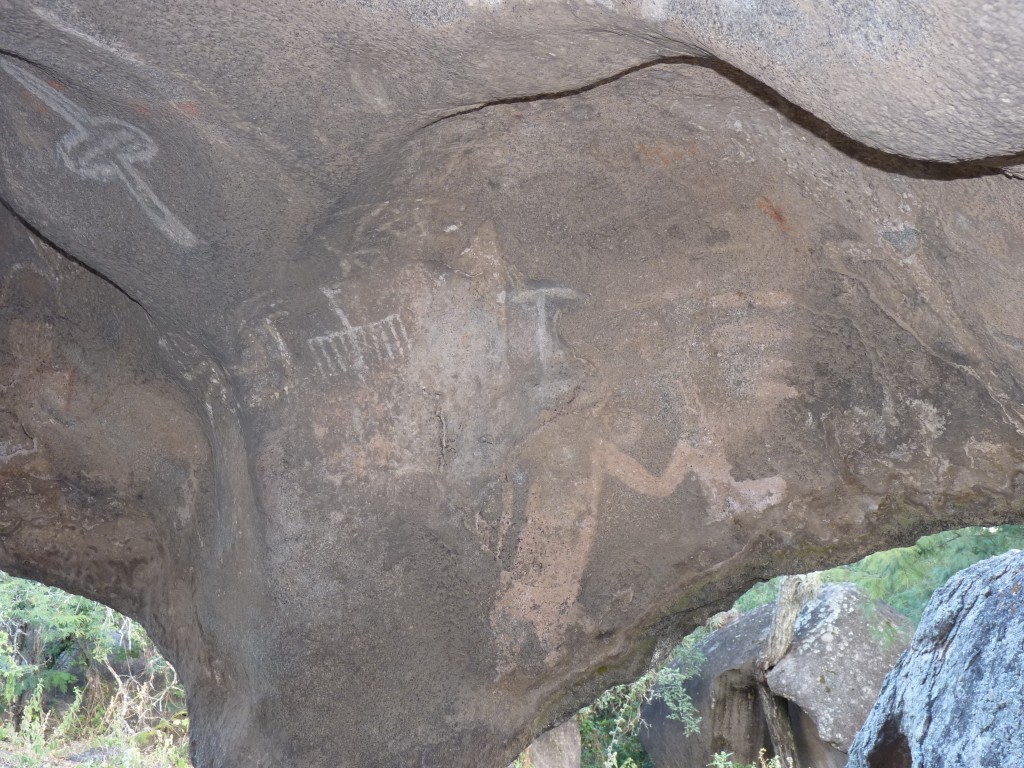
405 384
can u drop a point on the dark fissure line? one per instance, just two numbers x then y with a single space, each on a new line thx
853 148
25 60
552 95
91 270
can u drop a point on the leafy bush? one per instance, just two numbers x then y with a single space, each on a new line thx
724 760
40 627
74 673
906 577
610 727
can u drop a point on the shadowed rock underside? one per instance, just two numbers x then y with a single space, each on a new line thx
414 371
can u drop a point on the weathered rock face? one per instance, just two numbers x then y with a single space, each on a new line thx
843 645
409 376
727 678
558 748
955 697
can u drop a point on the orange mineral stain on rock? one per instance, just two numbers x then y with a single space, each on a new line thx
35 103
69 388
187 108
667 154
770 209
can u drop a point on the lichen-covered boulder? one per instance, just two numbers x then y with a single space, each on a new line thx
845 644
954 699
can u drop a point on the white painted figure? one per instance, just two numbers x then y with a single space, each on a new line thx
105 149
356 347
540 298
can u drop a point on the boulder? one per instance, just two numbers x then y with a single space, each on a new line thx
725 695
954 699
558 748
843 645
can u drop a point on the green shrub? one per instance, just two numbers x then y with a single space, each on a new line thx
906 577
724 760
610 727
54 646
